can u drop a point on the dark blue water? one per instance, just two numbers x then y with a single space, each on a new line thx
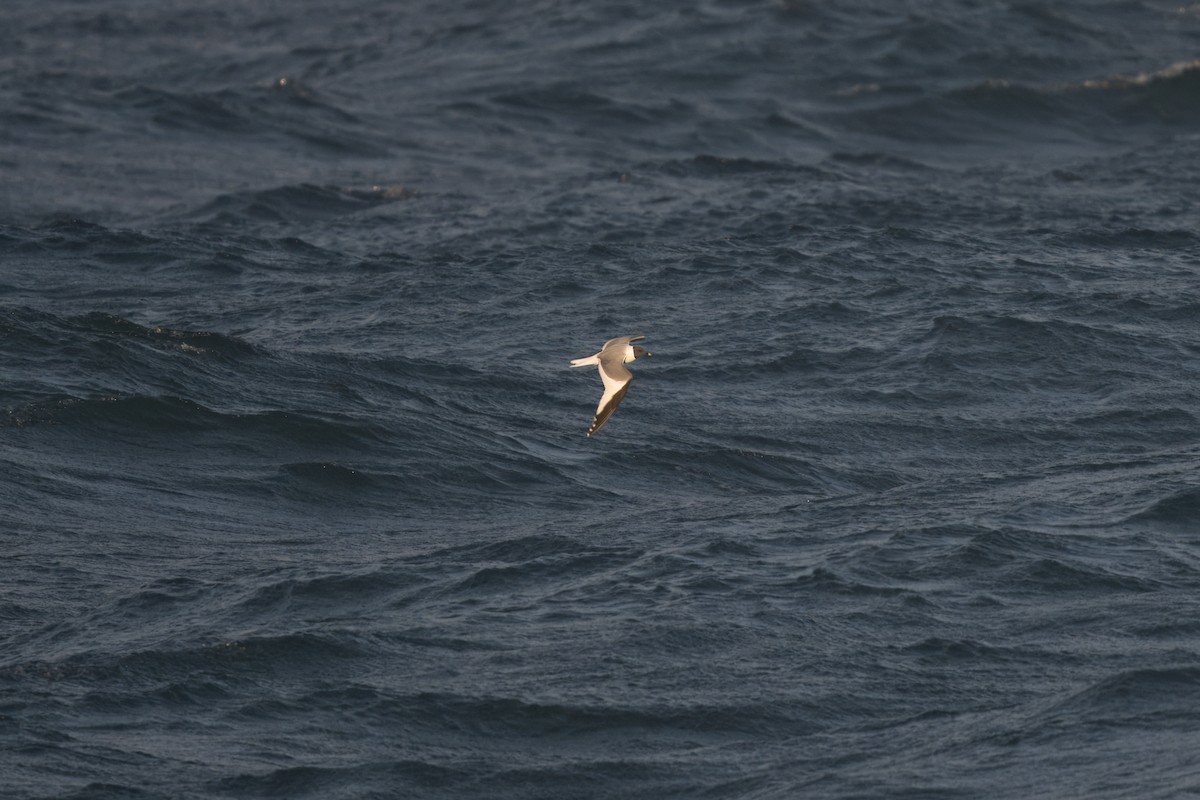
295 497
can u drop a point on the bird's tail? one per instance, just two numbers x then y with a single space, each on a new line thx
584 362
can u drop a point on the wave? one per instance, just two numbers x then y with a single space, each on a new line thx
713 166
130 416
51 336
65 236
325 595
1131 238
491 715
381 778
1178 508
282 107
993 111
826 581
1058 576
515 549
1149 696
513 576
1011 561
1169 95
938 650
195 342
300 203
876 161
567 100
169 663
1012 336
141 413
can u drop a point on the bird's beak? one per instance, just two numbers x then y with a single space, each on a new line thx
648 354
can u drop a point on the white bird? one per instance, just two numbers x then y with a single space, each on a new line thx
612 358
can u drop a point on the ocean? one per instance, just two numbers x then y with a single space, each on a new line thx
296 496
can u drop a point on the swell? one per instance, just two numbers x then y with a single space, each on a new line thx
1178 508
284 107
165 424
175 672
194 342
1100 111
33 330
287 205
1148 698
1005 562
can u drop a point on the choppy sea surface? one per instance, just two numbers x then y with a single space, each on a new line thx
295 496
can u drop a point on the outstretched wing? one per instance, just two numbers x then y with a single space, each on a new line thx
621 341
616 383
608 404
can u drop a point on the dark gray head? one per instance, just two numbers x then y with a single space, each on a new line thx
638 352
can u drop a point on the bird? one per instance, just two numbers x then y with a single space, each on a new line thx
612 358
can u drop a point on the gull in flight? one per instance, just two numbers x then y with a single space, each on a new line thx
612 359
